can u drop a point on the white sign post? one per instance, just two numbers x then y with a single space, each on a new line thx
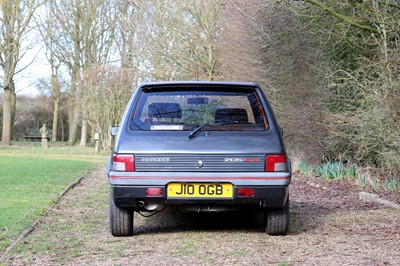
96 138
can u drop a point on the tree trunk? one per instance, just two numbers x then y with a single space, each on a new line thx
73 104
92 132
55 120
13 106
74 101
83 133
62 129
73 130
211 62
7 117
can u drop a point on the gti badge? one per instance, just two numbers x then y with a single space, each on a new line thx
200 164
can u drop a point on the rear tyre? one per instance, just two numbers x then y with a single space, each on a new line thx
121 219
277 220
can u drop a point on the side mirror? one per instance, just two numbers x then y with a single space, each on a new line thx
281 131
114 131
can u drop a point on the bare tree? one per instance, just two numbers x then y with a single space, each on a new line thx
105 92
81 34
53 87
241 41
99 35
133 28
206 15
56 93
15 17
176 39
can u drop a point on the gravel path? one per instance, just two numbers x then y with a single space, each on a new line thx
329 225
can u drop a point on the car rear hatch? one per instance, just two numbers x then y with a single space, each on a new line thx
207 152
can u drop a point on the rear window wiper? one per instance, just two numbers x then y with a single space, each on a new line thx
197 129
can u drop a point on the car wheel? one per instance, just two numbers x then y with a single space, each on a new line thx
121 220
277 220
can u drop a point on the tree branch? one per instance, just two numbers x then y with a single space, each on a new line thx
342 17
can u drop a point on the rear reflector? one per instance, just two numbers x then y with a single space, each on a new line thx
154 191
275 163
245 192
123 163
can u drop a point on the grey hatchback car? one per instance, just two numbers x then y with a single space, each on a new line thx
201 147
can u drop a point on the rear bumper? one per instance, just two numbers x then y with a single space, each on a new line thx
256 179
264 196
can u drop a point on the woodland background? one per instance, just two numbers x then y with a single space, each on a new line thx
330 68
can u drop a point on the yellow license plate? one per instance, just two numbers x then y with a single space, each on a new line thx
200 190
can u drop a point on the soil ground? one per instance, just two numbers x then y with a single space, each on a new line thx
329 225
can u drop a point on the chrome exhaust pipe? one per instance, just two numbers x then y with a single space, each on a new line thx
150 206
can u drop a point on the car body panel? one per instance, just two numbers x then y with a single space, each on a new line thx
204 142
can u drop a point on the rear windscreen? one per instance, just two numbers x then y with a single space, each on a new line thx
187 109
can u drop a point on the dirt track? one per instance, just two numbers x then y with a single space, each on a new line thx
328 226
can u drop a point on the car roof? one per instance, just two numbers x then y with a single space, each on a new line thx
195 83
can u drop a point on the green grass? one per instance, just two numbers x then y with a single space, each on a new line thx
30 181
64 152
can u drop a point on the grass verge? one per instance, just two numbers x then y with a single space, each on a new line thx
31 179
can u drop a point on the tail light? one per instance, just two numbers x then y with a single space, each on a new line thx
123 163
154 192
275 163
245 192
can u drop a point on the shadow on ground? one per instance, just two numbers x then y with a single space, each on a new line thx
304 216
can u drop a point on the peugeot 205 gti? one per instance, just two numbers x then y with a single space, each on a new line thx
202 147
